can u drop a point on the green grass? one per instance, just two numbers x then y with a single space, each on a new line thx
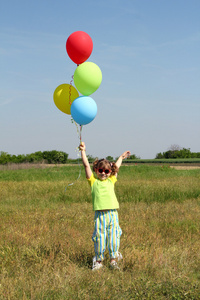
164 161
46 249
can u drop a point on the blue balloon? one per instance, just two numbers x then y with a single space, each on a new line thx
83 110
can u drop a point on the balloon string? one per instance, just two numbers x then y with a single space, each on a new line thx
81 127
79 133
70 91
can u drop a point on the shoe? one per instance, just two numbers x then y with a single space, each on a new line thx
96 265
114 265
119 256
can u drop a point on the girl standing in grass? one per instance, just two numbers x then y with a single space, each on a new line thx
107 231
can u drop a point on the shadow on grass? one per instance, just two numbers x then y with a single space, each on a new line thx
82 259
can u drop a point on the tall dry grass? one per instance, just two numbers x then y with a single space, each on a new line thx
46 249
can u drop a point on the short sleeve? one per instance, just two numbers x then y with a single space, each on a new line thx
91 180
113 178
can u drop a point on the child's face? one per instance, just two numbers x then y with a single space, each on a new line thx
103 173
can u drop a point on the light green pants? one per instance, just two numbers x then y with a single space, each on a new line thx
106 233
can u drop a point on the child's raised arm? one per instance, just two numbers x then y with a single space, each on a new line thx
88 171
123 156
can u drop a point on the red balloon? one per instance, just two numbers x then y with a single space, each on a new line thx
79 46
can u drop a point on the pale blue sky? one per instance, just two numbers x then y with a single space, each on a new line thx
149 55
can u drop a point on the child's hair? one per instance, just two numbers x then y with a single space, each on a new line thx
105 164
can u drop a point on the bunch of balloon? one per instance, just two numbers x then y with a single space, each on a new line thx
87 77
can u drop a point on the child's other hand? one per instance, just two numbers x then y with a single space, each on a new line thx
82 146
126 154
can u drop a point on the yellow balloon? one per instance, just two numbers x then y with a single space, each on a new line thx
63 97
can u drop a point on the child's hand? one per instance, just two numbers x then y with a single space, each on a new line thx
126 154
82 146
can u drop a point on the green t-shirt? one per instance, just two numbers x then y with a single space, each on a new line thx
103 193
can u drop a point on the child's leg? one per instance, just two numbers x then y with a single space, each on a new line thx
113 234
99 235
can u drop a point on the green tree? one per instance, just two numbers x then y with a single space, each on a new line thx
91 159
132 156
109 158
159 155
4 158
54 157
181 153
18 159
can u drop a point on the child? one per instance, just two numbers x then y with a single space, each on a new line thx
106 226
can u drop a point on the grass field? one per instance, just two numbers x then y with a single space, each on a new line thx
46 226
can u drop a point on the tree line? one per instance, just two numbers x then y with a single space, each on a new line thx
50 157
178 153
60 157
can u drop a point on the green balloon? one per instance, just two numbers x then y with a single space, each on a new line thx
87 78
